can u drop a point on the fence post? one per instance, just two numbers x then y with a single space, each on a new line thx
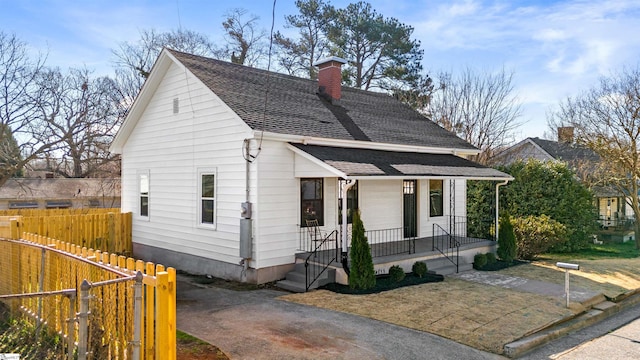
83 320
71 325
162 316
41 289
137 315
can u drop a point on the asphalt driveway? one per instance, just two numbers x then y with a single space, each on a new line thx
256 325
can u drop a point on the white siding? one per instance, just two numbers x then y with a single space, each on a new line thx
380 203
205 134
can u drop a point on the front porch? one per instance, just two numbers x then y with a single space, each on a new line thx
319 261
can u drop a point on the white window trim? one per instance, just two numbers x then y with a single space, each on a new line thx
139 174
199 223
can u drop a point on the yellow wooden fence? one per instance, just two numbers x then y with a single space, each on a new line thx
107 230
67 265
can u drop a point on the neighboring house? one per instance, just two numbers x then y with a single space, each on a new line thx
59 193
227 168
612 208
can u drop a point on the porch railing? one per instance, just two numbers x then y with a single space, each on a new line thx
388 242
324 254
447 244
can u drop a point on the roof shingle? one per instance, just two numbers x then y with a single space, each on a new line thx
293 107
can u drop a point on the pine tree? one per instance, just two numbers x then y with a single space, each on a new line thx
362 274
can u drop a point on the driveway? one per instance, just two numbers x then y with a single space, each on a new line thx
256 325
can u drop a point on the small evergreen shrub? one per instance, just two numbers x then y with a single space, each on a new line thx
491 258
535 235
479 261
507 248
419 268
362 274
396 273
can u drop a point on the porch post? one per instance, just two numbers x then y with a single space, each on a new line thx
345 248
498 206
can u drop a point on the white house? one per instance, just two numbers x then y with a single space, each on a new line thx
224 166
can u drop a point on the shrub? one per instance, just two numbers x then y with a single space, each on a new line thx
506 239
491 258
535 235
419 268
396 273
479 261
362 275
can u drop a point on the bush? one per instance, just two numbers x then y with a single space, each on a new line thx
491 258
419 268
535 235
507 250
396 273
479 261
361 275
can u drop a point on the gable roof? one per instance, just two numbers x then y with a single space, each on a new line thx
288 105
565 151
368 163
545 150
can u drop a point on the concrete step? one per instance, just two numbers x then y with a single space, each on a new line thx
296 280
444 266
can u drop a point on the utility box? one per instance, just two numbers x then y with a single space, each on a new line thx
246 238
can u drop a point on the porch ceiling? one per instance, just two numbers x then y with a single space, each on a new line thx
367 164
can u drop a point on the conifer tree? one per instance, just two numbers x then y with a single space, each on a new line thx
362 275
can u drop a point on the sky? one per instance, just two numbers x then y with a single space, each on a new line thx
554 48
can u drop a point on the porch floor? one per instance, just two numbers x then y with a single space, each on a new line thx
423 249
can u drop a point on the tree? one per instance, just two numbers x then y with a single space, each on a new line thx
134 60
507 249
552 189
362 274
478 107
85 113
380 51
298 55
21 100
244 41
606 119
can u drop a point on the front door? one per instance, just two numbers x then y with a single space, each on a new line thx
410 207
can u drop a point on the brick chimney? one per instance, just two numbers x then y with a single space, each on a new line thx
565 134
330 76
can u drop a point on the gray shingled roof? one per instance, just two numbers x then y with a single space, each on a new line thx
367 162
294 107
564 151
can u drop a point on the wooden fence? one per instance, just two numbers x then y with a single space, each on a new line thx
39 263
107 230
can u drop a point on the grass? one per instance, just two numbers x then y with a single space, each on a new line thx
191 348
626 250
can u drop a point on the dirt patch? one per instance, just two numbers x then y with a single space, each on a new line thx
481 316
190 348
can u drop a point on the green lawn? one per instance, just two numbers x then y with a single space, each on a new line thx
625 250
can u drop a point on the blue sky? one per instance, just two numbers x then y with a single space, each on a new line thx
555 48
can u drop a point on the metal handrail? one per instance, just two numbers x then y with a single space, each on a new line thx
319 254
445 243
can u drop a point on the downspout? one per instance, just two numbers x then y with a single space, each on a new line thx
498 206
344 229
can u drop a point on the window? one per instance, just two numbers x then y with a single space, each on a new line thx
352 201
311 201
144 194
207 198
435 198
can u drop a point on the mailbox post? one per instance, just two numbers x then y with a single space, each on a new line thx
567 267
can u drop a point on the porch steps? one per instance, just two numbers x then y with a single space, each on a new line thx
295 281
444 266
